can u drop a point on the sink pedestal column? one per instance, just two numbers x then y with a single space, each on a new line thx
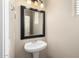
36 55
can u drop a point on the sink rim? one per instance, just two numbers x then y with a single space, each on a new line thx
35 49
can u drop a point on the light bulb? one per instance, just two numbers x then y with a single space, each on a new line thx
36 3
41 5
29 2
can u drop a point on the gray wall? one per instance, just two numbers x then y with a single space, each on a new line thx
62 29
0 28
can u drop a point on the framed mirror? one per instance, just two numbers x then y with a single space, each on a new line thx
32 23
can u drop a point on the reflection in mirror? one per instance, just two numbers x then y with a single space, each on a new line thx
34 23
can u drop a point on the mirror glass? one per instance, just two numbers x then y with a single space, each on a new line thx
34 23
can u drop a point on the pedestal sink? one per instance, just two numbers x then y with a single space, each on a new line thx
35 47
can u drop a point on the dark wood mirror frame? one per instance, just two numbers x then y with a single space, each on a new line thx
22 24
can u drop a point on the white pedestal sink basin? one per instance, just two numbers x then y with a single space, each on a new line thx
35 47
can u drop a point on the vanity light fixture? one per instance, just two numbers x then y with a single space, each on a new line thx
36 3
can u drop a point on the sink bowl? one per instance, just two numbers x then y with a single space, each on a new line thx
35 46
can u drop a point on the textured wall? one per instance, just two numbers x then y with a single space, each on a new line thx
17 45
